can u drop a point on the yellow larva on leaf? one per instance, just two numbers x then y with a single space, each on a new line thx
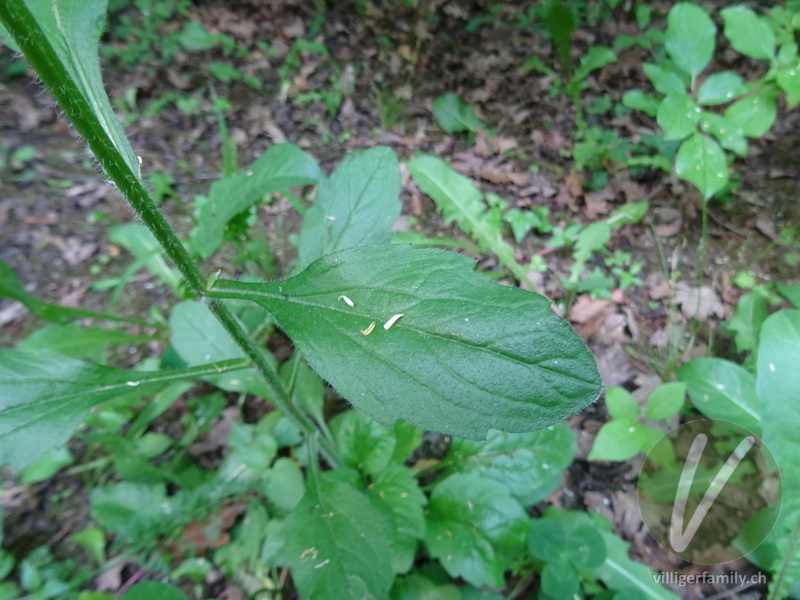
347 301
391 322
369 329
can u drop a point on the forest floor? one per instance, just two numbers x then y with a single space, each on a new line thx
381 73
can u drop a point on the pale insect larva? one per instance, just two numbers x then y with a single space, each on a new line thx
391 322
369 329
347 301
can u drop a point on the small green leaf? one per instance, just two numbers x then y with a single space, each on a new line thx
751 312
620 439
471 522
285 484
690 37
665 81
356 206
720 88
395 489
45 396
150 590
621 404
337 543
560 579
677 116
755 114
702 162
453 115
722 390
788 78
666 400
364 444
138 240
417 587
46 466
729 135
496 353
748 33
199 338
595 58
280 167
633 212
194 37
638 100
530 464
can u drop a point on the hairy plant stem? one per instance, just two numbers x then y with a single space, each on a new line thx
43 56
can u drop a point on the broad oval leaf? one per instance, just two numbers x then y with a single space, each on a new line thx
701 161
337 544
664 80
466 356
722 390
471 523
755 114
690 37
677 116
356 206
530 464
728 134
777 383
453 115
749 33
720 88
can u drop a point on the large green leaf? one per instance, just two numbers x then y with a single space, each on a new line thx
151 590
356 206
337 544
701 161
723 390
44 397
472 523
530 464
748 33
778 383
282 166
690 37
462 202
467 355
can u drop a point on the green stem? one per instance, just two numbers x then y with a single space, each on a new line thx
43 56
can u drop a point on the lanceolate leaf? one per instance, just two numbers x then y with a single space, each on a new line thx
44 397
467 355
462 202
356 206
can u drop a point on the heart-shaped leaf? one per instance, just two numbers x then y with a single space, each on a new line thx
467 355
